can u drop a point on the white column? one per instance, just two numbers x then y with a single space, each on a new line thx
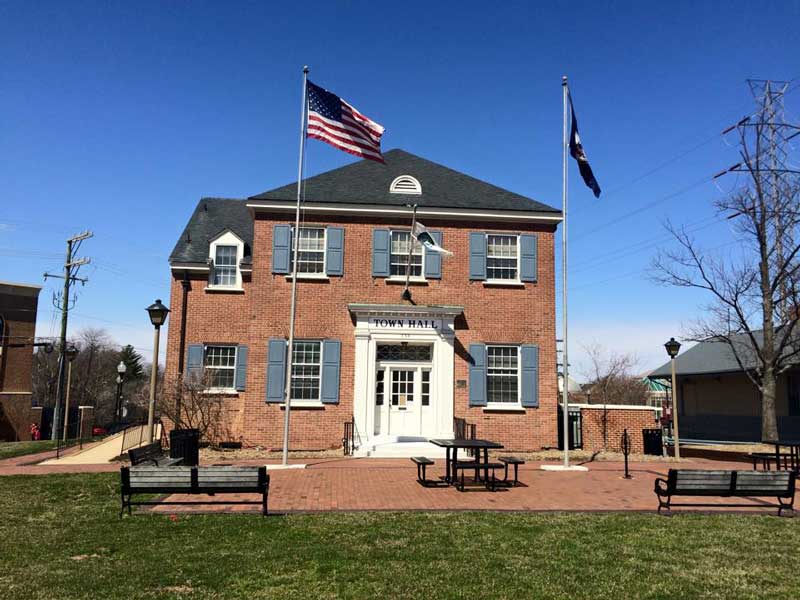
443 369
361 413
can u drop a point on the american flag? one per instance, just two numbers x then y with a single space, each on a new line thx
334 121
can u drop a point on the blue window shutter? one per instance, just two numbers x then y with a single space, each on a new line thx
380 252
433 260
241 367
477 375
530 375
528 268
477 255
281 248
331 359
194 363
335 251
276 369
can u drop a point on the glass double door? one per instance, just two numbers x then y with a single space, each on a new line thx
403 399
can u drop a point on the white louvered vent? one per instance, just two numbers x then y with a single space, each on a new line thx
405 184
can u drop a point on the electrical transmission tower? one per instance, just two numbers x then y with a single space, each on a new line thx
62 302
766 150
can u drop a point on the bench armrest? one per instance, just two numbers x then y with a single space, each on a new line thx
661 486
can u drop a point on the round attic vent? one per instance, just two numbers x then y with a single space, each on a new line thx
405 184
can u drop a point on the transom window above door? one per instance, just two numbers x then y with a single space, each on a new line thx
405 352
399 261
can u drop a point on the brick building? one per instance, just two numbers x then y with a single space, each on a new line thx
18 306
476 342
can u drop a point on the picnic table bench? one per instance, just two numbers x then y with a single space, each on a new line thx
151 453
193 480
727 484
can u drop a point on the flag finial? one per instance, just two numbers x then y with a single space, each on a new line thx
305 69
563 80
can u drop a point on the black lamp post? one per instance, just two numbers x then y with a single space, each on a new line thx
121 369
158 316
673 347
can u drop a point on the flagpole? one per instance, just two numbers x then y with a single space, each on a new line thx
406 293
288 387
565 346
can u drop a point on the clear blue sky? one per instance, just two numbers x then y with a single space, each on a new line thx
118 116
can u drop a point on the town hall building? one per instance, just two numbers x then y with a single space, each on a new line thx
475 343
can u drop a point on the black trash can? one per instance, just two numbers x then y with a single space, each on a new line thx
652 441
185 444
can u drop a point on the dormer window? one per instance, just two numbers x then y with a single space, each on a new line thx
225 254
406 184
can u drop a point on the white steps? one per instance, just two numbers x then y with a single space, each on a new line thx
394 449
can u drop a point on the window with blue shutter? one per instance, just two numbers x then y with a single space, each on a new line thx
331 359
334 261
477 255
530 375
241 367
276 369
477 375
528 257
433 260
194 363
380 252
281 248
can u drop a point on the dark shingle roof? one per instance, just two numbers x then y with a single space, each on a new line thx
211 217
367 182
715 356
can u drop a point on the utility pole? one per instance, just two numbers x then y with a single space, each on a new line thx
71 267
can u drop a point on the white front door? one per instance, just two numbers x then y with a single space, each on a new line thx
403 396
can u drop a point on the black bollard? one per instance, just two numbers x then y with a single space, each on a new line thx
626 449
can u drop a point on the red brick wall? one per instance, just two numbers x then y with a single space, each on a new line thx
512 315
618 419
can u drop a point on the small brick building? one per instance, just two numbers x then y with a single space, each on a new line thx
18 306
476 342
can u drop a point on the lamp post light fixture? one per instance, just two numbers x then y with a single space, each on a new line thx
158 316
71 352
673 346
121 369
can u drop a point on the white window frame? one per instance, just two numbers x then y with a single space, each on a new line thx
324 274
308 401
212 390
506 405
515 281
228 238
421 276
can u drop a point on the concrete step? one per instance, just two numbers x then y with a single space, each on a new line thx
400 450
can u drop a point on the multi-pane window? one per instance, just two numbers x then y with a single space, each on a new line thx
402 387
306 359
379 376
502 375
404 352
220 367
425 392
310 251
225 266
502 259
399 260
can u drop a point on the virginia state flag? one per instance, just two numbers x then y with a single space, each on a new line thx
577 152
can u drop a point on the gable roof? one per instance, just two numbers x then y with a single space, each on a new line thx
367 182
210 218
715 356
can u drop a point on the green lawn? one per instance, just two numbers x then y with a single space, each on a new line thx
60 537
12 449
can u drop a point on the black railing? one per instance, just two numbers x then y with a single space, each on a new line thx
349 438
464 431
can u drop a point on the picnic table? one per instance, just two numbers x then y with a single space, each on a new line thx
465 444
794 453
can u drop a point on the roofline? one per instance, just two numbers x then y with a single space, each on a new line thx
383 209
21 289
695 373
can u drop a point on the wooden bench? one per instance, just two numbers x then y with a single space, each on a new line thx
512 460
422 462
767 458
193 480
477 466
153 454
727 484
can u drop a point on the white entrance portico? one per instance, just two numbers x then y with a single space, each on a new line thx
403 375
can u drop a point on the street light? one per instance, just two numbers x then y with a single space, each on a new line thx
121 368
158 315
71 352
673 346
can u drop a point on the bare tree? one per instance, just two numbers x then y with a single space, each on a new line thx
754 291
